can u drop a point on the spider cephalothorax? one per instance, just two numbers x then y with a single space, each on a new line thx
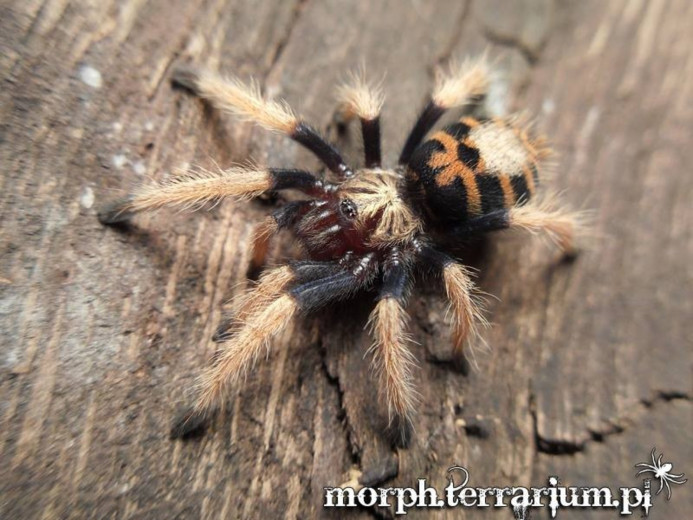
364 228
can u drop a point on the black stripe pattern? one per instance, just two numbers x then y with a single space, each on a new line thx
448 202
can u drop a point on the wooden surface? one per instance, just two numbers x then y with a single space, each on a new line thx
103 332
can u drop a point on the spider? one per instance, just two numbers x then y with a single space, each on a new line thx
661 471
366 228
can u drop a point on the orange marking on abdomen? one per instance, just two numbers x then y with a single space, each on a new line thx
529 179
528 145
442 159
470 121
453 168
508 192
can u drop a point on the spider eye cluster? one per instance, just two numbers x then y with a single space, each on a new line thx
348 209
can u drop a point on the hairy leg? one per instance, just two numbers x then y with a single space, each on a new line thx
392 360
466 308
282 218
461 85
271 285
245 101
196 189
358 98
240 353
269 312
560 225
262 236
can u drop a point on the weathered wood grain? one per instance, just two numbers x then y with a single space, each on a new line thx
103 332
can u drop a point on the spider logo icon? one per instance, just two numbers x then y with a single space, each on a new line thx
661 471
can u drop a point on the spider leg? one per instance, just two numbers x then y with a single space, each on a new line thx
245 347
358 98
645 465
196 189
561 226
459 287
392 359
648 470
661 486
271 284
461 85
267 318
269 287
245 101
664 480
282 218
314 294
262 236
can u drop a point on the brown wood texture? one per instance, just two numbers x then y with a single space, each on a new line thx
103 332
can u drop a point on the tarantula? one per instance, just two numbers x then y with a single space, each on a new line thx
369 227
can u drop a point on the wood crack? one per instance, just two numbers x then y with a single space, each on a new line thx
286 37
529 54
445 54
560 447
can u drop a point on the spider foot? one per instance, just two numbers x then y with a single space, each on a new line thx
223 331
115 212
186 77
190 423
400 432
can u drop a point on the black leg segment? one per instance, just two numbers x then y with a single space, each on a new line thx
370 130
428 117
314 294
328 154
492 221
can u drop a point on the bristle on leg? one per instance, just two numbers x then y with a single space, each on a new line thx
245 101
467 313
243 350
461 83
260 246
191 190
359 98
393 361
561 226
251 301
365 101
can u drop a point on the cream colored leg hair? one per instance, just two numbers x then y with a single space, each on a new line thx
461 83
262 236
392 359
243 349
242 100
561 226
359 98
468 315
191 190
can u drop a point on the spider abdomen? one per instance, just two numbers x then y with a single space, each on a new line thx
474 167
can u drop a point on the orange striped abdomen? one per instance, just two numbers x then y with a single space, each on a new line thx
474 167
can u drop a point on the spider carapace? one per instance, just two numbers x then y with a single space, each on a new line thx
367 228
